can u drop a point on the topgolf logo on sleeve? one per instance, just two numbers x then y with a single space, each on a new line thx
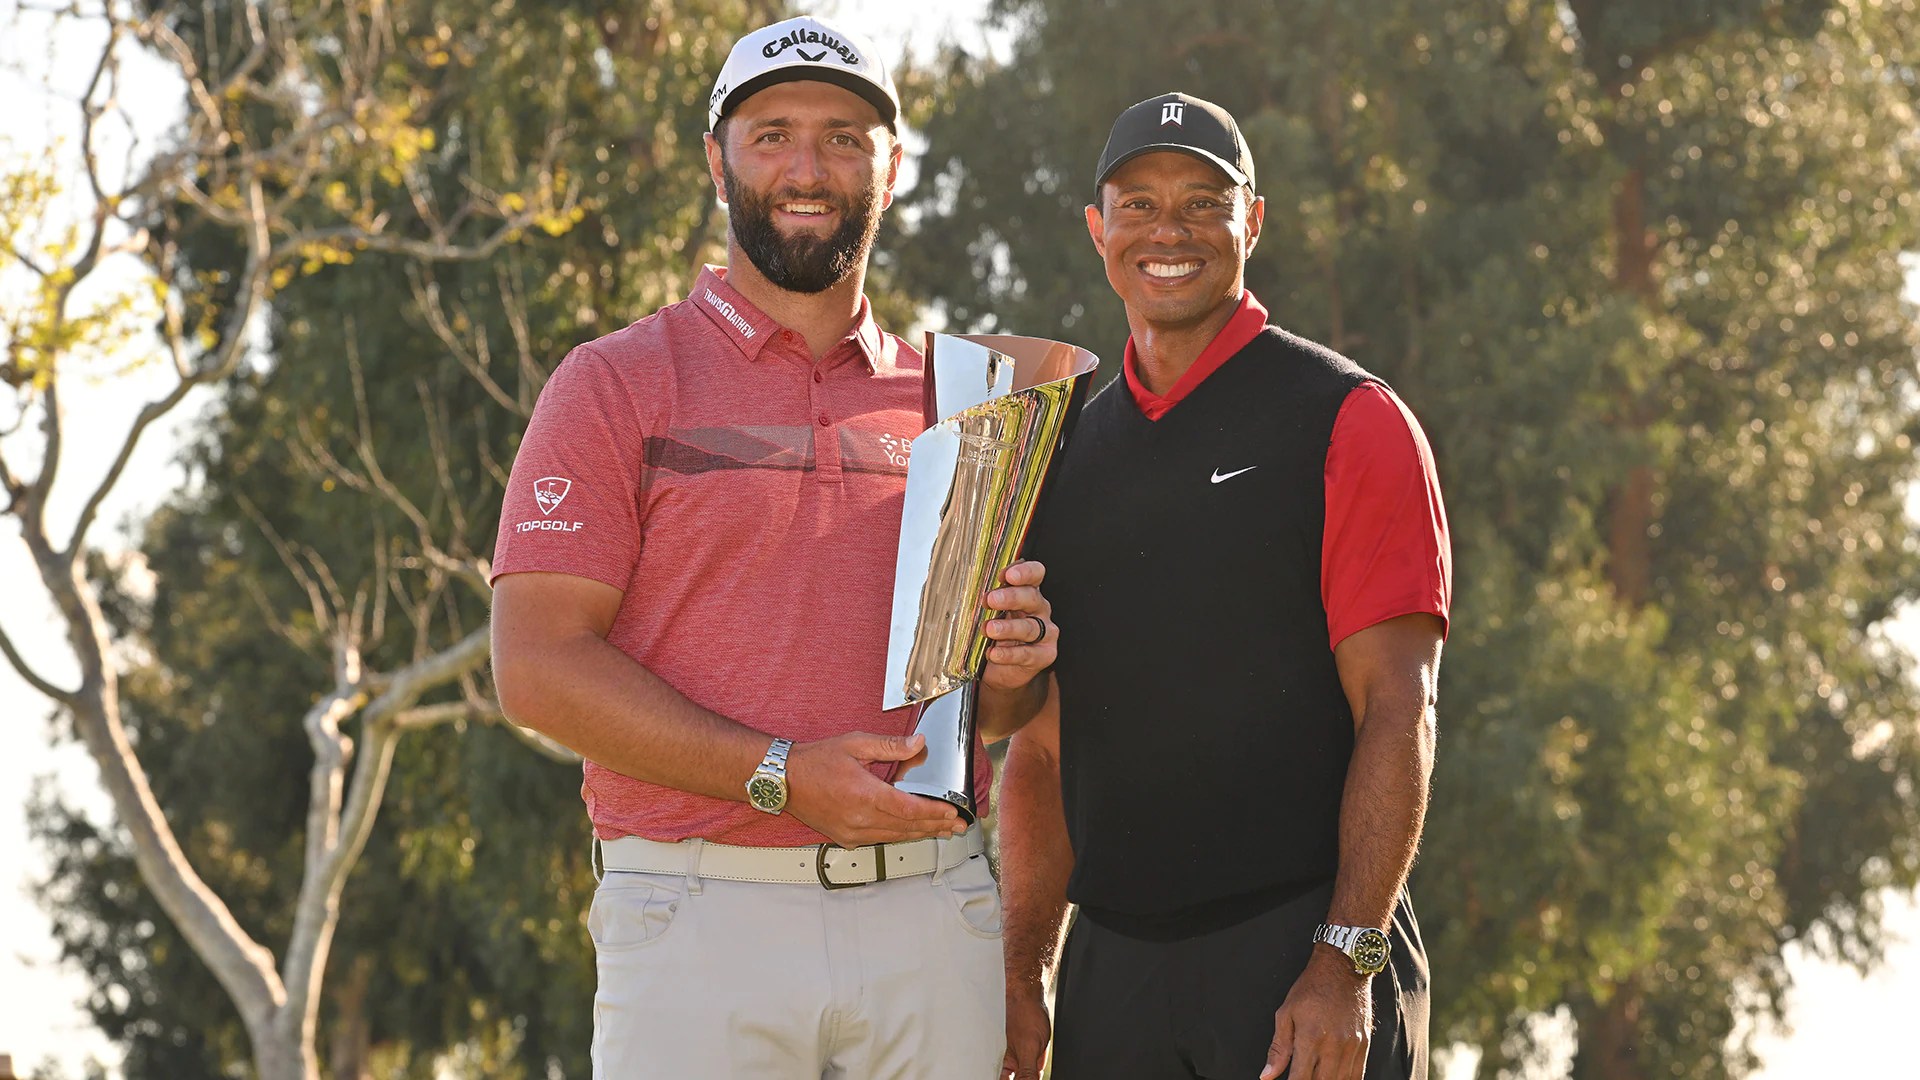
550 491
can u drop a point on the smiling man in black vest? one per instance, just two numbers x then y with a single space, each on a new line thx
1230 774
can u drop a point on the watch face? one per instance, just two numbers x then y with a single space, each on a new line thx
767 793
1370 951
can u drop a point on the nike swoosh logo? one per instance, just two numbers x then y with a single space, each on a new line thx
1219 476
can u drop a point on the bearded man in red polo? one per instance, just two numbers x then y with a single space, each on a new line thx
693 587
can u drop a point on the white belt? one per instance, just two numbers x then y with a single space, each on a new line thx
826 865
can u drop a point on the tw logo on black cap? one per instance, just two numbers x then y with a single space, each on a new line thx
1179 122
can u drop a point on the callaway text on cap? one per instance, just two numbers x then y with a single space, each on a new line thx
805 48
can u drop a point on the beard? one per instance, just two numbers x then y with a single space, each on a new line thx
802 263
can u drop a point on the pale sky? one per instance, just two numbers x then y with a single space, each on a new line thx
1831 1006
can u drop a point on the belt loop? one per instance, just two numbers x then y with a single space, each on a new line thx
594 861
694 847
939 863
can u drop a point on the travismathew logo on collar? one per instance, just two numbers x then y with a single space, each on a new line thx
732 315
828 43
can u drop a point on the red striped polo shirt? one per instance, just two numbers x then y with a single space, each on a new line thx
747 501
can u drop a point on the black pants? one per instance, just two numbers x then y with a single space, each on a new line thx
1202 1007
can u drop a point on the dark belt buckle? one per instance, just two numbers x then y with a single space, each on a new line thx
879 868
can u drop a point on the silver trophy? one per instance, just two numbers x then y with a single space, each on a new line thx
998 407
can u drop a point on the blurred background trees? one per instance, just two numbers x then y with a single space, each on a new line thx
501 182
1637 268
1635 264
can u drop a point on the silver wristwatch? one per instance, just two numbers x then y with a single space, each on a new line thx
1366 946
767 787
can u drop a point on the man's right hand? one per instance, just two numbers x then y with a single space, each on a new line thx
1029 1030
831 789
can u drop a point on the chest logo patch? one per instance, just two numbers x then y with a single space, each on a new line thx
550 492
1219 476
897 449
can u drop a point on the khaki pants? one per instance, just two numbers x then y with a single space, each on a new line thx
706 979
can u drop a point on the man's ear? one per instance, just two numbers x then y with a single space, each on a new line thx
716 166
893 173
1096 228
1256 217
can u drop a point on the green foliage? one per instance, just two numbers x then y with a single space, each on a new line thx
40 326
1636 267
462 946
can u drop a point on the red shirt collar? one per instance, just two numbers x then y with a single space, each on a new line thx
749 328
1245 324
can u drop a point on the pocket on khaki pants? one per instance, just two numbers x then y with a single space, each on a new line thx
631 910
975 897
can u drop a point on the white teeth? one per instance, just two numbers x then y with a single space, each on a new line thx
807 208
1175 270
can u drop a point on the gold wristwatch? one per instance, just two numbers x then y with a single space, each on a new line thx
767 787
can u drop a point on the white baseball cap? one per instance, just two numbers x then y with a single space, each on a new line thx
805 48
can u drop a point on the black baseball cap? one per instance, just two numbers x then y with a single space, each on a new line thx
1179 122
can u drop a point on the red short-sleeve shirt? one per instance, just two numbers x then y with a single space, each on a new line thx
1385 550
747 501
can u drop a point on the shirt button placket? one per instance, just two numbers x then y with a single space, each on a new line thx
826 440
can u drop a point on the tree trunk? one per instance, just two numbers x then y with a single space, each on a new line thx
1630 551
352 1037
1629 547
1609 1038
279 1055
243 966
1634 246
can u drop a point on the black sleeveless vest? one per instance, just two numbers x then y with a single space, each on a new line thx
1204 732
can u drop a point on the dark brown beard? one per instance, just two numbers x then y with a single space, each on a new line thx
803 264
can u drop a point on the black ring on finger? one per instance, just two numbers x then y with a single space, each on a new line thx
1042 635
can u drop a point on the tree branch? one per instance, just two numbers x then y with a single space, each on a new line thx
26 260
533 375
316 911
541 745
437 249
150 412
426 298
421 717
33 679
9 483
52 443
251 294
318 908
316 600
